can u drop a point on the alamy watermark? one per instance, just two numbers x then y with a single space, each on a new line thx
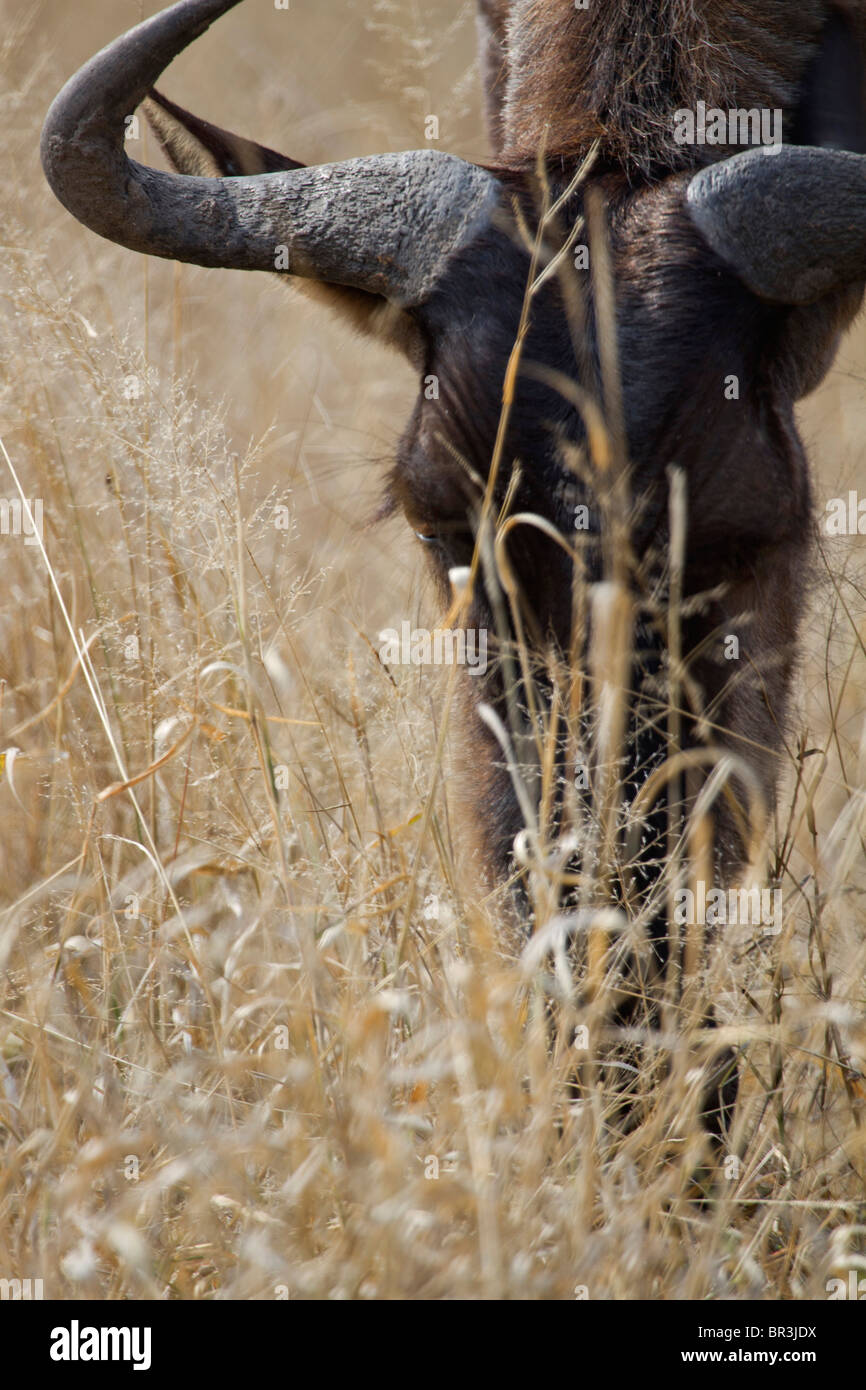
713 126
21 1290
16 519
77 1343
719 907
854 1288
444 647
846 516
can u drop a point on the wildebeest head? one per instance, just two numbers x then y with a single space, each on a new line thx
670 299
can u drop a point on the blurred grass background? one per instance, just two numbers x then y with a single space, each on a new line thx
292 1058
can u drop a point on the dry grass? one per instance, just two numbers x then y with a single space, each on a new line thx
259 1037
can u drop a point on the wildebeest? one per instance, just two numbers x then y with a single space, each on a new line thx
618 321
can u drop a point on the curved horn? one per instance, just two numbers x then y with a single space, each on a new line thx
790 220
385 224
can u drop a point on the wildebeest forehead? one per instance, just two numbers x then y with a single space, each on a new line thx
668 286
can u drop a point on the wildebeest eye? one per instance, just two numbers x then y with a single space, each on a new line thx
453 538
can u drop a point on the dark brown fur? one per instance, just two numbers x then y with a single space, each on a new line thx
617 71
685 325
560 79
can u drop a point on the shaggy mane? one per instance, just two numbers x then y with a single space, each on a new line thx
617 71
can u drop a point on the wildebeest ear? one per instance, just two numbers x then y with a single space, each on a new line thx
194 146
197 148
789 220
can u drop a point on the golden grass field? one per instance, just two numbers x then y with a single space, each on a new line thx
259 1035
